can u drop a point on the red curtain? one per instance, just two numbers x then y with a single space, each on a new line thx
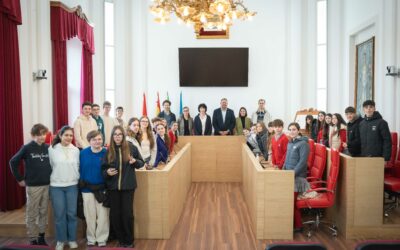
12 196
66 25
86 76
60 84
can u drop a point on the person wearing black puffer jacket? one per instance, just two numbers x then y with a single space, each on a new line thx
119 172
353 144
374 133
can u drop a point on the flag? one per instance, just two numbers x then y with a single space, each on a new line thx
167 96
180 104
144 111
158 106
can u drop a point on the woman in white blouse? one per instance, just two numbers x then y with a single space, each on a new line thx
202 122
64 160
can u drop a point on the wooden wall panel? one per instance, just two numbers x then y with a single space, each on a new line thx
161 195
358 209
215 158
269 197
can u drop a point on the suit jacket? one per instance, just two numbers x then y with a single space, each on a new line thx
197 126
218 123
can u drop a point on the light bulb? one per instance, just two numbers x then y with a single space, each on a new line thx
162 20
220 8
224 27
234 15
203 18
186 11
227 19
180 21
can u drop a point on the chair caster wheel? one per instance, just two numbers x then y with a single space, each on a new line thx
309 234
386 215
334 235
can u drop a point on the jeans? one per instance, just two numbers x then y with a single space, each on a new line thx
64 201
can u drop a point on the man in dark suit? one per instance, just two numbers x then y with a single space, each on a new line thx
223 119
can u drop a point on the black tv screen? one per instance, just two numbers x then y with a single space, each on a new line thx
216 67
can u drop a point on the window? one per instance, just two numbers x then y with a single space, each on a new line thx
109 53
322 75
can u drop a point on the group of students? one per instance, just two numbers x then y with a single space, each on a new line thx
360 137
367 136
63 170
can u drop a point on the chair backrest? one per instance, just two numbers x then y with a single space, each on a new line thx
379 245
333 174
49 138
398 150
394 148
296 246
310 160
318 168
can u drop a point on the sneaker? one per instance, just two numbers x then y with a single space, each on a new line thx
73 244
90 244
60 245
102 244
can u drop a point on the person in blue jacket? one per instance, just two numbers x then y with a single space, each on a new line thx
92 187
163 142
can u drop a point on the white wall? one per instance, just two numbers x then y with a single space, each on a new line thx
353 22
277 39
74 61
35 53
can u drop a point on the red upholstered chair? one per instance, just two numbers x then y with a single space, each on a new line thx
319 164
311 155
49 138
397 161
325 195
392 187
391 163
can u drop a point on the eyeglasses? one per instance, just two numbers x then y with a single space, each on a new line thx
119 134
144 121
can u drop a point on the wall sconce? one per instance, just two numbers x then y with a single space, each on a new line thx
39 75
392 71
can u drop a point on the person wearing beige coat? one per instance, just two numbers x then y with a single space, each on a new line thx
83 125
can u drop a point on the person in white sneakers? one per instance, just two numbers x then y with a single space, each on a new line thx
64 160
83 125
92 186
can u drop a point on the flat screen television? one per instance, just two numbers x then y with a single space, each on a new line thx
213 67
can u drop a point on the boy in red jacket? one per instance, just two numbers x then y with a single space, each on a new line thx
279 144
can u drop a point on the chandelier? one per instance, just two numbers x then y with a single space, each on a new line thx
201 14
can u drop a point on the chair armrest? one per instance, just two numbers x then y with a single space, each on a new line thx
312 178
318 182
320 190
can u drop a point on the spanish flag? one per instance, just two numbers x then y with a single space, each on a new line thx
158 106
144 110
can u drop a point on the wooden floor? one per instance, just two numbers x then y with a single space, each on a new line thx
215 217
